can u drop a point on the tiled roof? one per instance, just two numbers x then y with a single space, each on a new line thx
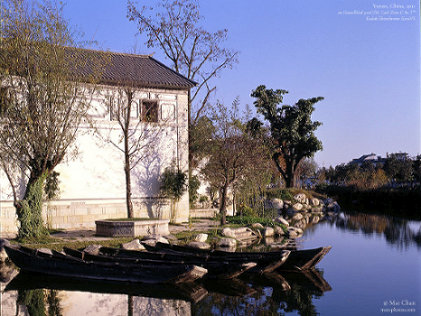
128 69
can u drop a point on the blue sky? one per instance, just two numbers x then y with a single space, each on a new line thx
365 65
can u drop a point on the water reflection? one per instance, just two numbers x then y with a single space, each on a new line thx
396 231
253 294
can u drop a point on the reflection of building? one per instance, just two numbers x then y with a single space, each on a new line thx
85 303
93 186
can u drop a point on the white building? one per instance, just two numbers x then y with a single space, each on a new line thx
92 186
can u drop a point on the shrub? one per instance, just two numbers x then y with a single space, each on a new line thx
173 183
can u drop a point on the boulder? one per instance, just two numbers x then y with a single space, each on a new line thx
268 232
277 204
228 232
3 255
227 243
93 249
133 245
333 207
282 221
314 202
294 232
278 231
297 217
297 207
199 245
315 219
152 242
301 197
201 237
257 226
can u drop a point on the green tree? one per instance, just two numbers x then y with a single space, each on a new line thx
398 167
42 105
291 128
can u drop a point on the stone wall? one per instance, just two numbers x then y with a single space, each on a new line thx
83 214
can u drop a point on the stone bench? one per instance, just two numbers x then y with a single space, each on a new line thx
112 228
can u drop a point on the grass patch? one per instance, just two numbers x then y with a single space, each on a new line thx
59 244
288 194
249 220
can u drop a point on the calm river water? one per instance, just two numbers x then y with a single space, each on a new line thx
374 268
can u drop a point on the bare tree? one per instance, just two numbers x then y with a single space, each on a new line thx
42 104
137 134
231 150
174 27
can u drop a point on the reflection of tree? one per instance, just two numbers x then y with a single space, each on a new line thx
395 230
39 302
34 301
269 296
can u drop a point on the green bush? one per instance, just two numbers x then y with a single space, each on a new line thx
194 185
249 220
173 183
245 210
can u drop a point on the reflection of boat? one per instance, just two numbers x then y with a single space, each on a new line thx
312 280
185 291
216 269
294 259
62 265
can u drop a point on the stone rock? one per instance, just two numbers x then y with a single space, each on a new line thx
294 232
4 242
227 243
93 249
133 245
277 204
300 197
334 207
45 250
282 220
286 205
156 238
268 232
297 206
297 217
314 202
228 232
269 240
201 237
3 255
278 231
199 245
315 219
257 226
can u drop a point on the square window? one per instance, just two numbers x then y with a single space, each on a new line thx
149 111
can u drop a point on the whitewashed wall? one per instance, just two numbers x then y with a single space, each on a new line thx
92 186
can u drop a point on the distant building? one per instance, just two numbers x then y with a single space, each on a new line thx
377 161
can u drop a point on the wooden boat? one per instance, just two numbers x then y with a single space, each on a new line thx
295 260
216 269
61 265
264 262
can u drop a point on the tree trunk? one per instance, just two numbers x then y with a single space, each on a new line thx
29 210
129 203
223 204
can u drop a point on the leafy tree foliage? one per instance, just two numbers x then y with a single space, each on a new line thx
173 185
398 167
291 128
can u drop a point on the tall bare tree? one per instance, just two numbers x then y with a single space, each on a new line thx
42 105
138 132
174 27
